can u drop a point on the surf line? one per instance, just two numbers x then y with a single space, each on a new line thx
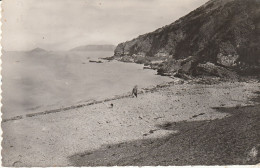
61 109
145 90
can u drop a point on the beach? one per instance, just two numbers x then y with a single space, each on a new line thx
174 124
130 83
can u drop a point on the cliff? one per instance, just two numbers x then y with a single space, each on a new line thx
223 32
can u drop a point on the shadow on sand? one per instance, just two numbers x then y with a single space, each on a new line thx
229 141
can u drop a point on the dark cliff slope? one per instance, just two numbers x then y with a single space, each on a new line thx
223 32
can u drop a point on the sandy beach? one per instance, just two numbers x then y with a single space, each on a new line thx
179 124
130 83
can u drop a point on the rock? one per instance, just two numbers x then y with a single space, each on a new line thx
93 61
214 70
224 32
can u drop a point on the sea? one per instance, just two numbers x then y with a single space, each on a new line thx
44 80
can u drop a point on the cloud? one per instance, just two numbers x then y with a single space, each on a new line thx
64 24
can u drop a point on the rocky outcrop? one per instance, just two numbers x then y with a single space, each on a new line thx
222 32
214 70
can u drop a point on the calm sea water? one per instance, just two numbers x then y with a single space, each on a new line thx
37 81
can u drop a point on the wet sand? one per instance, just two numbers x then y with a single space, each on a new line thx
181 124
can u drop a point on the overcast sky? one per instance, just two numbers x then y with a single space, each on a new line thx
65 24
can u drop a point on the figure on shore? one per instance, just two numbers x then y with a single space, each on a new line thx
111 105
134 92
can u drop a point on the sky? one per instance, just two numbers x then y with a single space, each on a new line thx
65 24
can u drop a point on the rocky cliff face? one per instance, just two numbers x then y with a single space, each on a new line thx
222 32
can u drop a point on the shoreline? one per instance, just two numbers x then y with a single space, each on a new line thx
85 136
62 109
27 94
178 81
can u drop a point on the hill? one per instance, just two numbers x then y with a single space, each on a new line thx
94 48
219 34
35 50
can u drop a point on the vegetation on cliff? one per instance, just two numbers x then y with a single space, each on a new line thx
220 34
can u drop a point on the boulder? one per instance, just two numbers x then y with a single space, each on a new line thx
210 69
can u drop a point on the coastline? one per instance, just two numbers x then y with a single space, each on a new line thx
117 97
130 83
78 83
176 81
96 135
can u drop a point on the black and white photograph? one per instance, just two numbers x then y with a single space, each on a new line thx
89 83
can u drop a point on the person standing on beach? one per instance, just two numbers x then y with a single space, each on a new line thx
134 91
